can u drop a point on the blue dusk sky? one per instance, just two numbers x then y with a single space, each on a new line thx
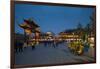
52 18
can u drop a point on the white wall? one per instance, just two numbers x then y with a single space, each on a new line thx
5 34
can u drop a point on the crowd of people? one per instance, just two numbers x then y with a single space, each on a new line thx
77 47
20 45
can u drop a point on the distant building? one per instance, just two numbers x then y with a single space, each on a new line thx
69 34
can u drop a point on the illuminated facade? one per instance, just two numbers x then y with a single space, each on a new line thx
30 27
68 35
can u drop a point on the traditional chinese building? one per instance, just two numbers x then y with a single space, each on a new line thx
30 27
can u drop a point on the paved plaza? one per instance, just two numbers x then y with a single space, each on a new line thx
50 55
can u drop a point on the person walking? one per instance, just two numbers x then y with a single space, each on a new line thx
33 45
